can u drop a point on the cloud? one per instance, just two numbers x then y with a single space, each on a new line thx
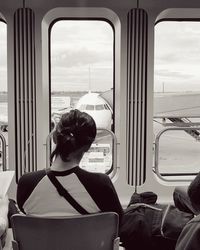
82 56
3 62
81 43
3 79
177 60
79 30
78 57
82 79
177 42
175 81
172 74
178 56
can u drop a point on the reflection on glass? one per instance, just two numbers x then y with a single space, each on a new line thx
178 153
99 156
82 78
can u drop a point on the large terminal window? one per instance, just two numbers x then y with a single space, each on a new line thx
176 98
3 89
82 77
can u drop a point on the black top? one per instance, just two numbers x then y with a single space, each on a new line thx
95 192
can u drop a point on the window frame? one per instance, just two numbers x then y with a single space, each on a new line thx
113 169
178 177
3 142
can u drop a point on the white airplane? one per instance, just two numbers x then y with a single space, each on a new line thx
177 132
98 108
177 104
178 109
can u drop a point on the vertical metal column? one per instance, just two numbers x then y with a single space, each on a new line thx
25 91
136 96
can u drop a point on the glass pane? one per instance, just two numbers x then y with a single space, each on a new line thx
99 156
89 107
3 86
177 94
99 107
178 153
82 77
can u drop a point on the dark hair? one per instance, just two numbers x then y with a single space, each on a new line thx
74 130
194 192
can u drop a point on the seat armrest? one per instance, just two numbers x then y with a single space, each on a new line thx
15 245
116 244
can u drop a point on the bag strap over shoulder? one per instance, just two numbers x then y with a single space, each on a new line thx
64 193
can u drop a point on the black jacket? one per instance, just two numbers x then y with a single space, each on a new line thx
189 238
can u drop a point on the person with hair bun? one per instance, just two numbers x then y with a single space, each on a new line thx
66 189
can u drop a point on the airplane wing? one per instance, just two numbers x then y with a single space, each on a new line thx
176 105
168 104
179 109
108 97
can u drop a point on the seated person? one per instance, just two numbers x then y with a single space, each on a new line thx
3 220
190 235
94 192
65 189
43 193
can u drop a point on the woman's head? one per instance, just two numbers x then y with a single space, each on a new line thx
76 130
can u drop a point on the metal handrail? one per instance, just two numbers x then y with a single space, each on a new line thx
3 140
164 115
114 150
48 148
156 159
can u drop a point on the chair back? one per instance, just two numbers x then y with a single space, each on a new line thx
84 232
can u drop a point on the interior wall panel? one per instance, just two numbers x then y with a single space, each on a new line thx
136 96
25 91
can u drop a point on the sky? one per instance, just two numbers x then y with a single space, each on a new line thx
177 57
3 57
82 56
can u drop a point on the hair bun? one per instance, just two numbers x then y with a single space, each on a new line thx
74 130
69 131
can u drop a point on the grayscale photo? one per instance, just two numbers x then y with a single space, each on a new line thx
99 125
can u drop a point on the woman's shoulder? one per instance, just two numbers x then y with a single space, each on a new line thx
94 177
26 185
93 174
32 177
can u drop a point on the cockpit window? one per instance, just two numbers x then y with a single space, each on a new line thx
99 107
106 106
89 107
82 107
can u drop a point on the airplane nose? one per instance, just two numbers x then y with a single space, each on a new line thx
101 122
